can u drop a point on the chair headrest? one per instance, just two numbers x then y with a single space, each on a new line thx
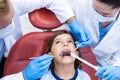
44 19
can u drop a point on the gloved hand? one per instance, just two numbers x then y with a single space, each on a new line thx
37 67
80 33
109 72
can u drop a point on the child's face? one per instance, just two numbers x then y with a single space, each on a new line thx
62 46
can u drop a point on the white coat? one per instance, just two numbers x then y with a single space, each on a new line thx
59 7
108 50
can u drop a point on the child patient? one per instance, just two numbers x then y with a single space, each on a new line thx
63 67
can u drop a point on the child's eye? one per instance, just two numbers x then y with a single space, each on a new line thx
70 41
57 42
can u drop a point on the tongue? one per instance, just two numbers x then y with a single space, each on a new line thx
66 53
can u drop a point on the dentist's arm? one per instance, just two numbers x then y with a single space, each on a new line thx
37 67
79 32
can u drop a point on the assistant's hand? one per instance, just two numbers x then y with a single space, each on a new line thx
80 33
37 67
109 72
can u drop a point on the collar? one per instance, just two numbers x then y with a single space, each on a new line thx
57 78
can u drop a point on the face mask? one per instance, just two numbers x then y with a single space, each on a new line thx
4 32
99 17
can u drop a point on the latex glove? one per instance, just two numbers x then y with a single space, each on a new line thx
109 72
37 67
80 33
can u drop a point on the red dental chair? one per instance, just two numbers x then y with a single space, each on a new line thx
34 43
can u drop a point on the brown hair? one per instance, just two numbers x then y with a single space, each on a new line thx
48 49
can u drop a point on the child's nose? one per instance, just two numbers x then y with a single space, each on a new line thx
65 44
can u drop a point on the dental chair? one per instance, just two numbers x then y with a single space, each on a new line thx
33 44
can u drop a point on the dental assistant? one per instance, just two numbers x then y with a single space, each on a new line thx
102 19
10 28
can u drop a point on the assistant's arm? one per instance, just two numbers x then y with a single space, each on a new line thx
60 7
63 12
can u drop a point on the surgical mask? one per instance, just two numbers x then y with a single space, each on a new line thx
4 32
99 17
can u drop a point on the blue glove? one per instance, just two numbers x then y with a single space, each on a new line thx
37 67
109 72
80 33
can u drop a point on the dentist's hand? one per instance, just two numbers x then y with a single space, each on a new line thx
80 33
37 67
109 72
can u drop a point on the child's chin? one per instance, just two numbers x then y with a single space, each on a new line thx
68 59
69 62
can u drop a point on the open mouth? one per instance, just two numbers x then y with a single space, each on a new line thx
65 53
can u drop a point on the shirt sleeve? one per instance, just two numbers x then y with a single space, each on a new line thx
17 76
60 7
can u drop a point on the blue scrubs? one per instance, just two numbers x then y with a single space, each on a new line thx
103 31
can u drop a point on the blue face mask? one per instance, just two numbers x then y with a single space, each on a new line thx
99 17
4 32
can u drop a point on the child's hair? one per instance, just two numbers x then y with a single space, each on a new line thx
50 42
